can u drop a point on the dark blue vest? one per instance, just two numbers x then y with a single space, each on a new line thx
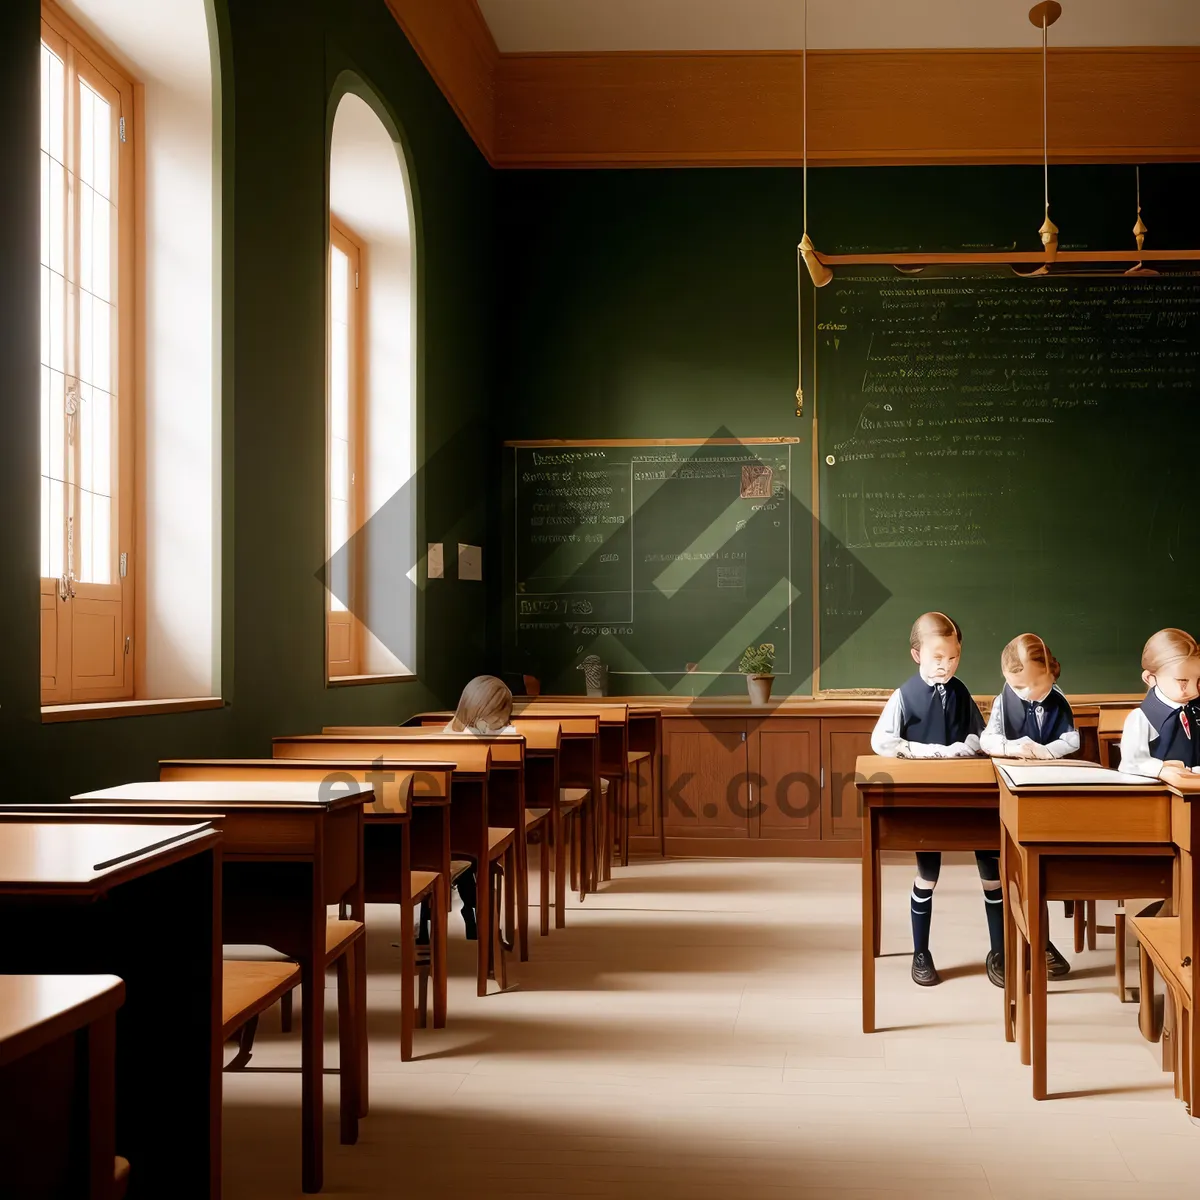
925 719
1020 716
1178 730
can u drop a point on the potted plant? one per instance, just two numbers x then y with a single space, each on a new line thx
756 665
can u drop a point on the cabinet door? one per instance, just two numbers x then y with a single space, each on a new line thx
785 799
704 778
843 740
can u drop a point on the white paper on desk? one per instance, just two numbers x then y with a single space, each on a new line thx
1064 776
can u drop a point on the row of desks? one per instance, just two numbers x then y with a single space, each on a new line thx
1063 841
146 882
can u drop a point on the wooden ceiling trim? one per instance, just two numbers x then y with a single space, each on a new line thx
867 107
457 48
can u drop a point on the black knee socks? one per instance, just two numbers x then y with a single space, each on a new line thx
993 905
921 907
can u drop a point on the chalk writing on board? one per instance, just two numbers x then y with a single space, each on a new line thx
670 548
1006 449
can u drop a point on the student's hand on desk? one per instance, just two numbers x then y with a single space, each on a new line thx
1033 750
1175 772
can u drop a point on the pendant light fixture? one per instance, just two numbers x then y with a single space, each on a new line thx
1023 263
1044 15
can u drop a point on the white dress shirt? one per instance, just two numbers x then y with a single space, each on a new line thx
886 739
1136 758
993 741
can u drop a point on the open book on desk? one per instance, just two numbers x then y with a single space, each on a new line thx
1021 773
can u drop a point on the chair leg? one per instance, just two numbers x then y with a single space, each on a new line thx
1151 1008
1170 1047
1091 924
544 879
573 848
1023 986
1080 917
348 1100
499 970
423 962
437 950
1068 909
1119 938
513 903
408 973
285 1011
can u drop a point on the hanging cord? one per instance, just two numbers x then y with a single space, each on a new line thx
799 255
1045 125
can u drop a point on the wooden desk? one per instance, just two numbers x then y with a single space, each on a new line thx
1059 842
159 929
917 804
579 767
505 798
291 849
58 1084
402 830
471 785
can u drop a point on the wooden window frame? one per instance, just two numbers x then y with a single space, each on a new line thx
343 239
84 58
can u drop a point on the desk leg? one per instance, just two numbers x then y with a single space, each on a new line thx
1035 916
408 951
870 867
558 832
101 1049
312 1064
522 889
1010 963
1022 984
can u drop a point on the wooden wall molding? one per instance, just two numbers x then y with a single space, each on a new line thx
458 50
867 107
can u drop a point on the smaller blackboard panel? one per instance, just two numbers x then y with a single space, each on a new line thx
665 559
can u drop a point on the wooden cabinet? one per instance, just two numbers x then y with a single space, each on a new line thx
706 768
785 779
842 741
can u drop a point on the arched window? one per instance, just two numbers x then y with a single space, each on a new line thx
130 344
371 615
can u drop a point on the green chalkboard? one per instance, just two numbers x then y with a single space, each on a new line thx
664 559
1016 452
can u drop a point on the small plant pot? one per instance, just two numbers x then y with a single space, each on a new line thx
533 685
759 687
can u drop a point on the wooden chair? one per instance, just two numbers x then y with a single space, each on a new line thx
247 968
1160 948
577 840
249 986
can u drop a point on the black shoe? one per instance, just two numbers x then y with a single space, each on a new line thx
1057 967
995 967
923 970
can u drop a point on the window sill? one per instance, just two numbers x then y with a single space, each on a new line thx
53 714
363 680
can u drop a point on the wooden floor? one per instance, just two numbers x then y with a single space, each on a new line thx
694 1034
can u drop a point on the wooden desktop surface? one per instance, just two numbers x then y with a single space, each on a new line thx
38 1009
90 859
394 786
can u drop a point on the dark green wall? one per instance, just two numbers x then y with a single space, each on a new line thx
280 59
662 303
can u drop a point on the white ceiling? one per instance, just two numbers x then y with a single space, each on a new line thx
597 25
